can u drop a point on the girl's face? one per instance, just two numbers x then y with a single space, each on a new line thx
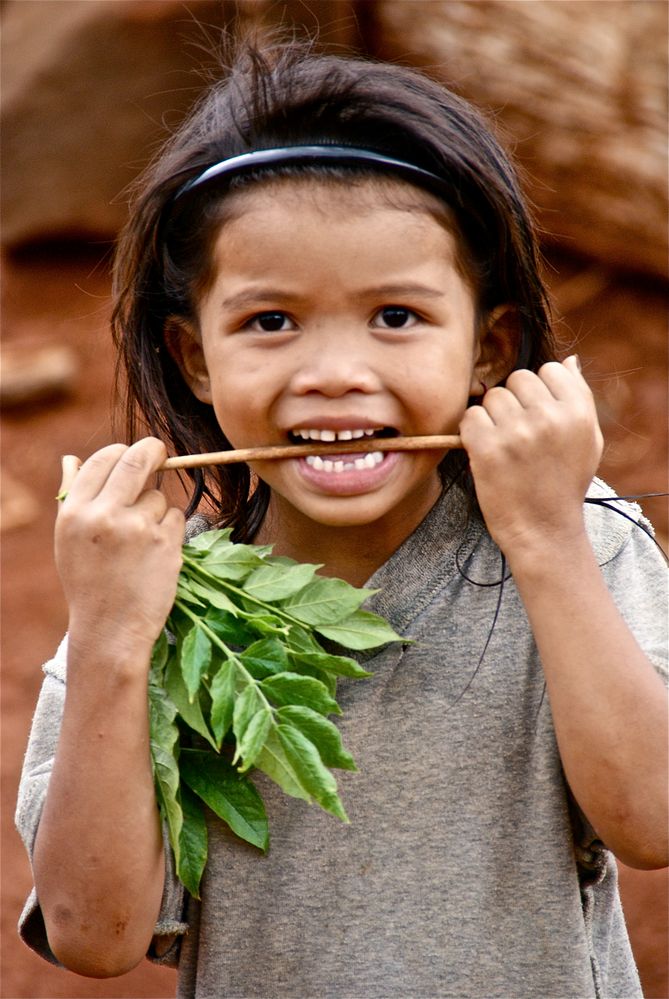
336 312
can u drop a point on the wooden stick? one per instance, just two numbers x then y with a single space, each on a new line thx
361 445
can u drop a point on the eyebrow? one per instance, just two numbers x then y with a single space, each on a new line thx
256 295
400 290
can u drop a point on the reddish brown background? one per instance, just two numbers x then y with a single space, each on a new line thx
55 291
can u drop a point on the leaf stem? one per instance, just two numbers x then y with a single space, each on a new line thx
197 569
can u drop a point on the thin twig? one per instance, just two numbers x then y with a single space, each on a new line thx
362 445
273 452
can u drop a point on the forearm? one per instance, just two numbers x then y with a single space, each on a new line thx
608 703
98 859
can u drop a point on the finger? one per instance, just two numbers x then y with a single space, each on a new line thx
128 478
92 475
529 389
565 381
501 405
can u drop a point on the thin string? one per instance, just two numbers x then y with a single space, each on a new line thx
603 501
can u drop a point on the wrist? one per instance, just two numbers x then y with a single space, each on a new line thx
114 653
539 554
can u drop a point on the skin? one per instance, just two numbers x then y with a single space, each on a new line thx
293 332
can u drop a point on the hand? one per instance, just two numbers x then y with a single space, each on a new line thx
533 448
118 549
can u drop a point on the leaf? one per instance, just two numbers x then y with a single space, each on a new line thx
185 593
314 777
325 601
253 740
209 540
229 794
265 624
192 841
323 733
190 711
275 582
272 760
213 597
231 561
195 658
231 630
265 657
222 693
337 665
246 705
164 736
362 630
291 688
159 654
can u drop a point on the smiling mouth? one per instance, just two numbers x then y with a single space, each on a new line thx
330 460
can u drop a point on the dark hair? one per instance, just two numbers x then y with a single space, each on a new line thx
283 96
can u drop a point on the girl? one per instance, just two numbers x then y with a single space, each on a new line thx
329 249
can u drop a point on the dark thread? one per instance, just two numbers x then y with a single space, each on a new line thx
603 501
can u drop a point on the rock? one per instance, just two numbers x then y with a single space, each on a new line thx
86 87
36 374
89 84
579 89
18 504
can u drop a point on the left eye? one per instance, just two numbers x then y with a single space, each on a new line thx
270 322
394 317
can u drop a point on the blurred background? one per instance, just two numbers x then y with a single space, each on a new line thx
576 88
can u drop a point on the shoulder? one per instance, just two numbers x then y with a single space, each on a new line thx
611 522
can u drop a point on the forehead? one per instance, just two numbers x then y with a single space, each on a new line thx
327 194
258 206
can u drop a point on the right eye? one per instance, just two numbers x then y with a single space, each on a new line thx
270 322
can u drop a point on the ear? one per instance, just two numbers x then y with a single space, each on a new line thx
498 343
184 343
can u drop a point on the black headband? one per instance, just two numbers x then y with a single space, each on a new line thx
344 155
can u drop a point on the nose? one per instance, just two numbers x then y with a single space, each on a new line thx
335 365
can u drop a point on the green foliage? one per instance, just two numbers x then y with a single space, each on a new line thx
246 684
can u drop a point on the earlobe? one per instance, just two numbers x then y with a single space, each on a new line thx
499 340
185 346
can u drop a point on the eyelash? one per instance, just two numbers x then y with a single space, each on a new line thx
250 324
397 309
278 314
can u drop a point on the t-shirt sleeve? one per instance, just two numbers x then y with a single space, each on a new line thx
635 570
37 767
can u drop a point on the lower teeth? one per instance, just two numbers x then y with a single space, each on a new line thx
370 460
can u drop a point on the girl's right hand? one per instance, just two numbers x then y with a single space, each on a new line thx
118 550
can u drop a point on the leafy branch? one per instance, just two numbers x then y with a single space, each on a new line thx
244 682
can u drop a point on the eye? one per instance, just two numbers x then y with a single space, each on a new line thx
394 317
270 322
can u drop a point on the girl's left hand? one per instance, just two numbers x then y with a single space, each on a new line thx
533 448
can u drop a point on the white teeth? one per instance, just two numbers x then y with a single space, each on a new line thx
309 434
370 460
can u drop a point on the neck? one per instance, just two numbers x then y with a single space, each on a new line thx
350 553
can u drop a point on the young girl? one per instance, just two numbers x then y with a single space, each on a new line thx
331 249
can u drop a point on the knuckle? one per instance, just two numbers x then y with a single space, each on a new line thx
134 461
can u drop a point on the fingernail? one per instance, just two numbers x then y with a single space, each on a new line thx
577 359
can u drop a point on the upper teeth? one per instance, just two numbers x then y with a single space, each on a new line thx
334 435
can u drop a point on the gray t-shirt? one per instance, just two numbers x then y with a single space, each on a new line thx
466 870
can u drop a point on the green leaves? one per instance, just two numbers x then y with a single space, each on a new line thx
246 685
